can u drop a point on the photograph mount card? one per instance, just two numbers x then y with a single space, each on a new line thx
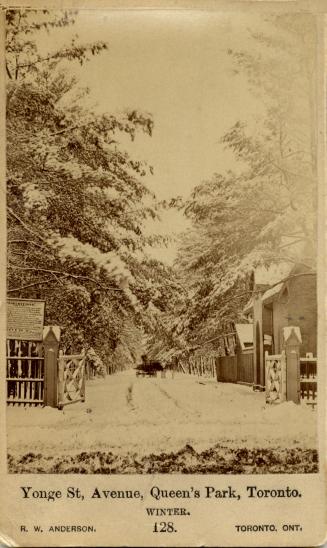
164 328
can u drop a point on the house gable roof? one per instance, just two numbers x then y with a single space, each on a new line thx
265 277
272 293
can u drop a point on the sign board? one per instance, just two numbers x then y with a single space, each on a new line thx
25 319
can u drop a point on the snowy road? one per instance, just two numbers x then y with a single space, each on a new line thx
124 413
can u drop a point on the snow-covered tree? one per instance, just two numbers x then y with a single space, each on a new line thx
76 200
265 211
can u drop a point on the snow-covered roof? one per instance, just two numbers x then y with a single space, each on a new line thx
245 334
272 274
272 292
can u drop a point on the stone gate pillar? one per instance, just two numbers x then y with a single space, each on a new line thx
292 341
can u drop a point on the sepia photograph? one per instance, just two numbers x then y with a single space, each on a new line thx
162 195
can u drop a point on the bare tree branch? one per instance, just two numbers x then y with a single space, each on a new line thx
41 60
8 72
66 274
289 260
13 214
41 282
27 242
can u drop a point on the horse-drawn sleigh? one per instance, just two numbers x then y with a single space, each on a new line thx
148 368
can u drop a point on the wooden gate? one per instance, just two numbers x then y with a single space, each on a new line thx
71 379
25 372
34 375
304 378
275 366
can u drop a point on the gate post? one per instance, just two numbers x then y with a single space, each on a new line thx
51 338
292 341
217 364
83 373
60 380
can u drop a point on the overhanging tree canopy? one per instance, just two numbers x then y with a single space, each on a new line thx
264 212
76 200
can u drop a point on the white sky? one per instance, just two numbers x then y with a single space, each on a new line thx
174 65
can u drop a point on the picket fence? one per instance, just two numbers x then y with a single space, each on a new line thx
25 372
299 385
235 369
308 380
37 374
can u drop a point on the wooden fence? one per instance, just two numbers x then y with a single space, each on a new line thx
226 367
35 375
287 376
235 369
308 380
25 373
200 365
245 372
291 378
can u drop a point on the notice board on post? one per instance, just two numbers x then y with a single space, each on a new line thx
25 319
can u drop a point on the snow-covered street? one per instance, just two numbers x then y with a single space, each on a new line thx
124 413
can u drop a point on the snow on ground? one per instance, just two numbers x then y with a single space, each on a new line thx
127 413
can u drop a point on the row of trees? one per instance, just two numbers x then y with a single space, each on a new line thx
264 212
76 202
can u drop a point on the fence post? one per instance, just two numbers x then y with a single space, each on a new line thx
83 373
51 338
292 341
283 371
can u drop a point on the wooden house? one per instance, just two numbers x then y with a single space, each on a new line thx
282 296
